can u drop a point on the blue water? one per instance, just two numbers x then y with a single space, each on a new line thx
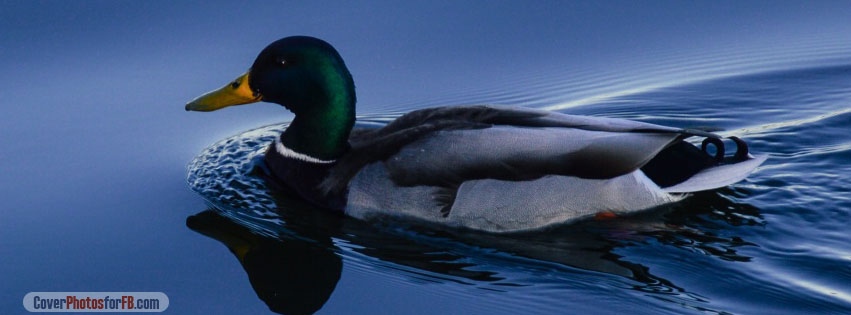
97 153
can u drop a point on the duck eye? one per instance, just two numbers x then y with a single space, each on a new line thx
282 61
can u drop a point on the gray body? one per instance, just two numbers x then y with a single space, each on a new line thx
548 169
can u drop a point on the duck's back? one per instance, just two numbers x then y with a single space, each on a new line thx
503 170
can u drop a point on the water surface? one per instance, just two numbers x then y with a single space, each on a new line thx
96 147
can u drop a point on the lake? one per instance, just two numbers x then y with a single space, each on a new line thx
109 185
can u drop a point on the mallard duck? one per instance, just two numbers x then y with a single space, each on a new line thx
487 168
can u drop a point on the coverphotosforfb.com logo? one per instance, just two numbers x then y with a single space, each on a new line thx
95 302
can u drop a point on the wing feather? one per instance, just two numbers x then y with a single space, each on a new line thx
521 153
538 142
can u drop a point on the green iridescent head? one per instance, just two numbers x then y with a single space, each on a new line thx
307 76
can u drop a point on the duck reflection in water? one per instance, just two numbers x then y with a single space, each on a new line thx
295 266
290 275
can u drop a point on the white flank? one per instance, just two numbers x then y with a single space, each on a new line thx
287 152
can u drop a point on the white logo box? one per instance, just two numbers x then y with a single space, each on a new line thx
95 302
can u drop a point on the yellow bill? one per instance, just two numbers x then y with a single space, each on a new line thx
235 93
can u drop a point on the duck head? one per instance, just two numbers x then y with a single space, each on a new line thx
307 76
